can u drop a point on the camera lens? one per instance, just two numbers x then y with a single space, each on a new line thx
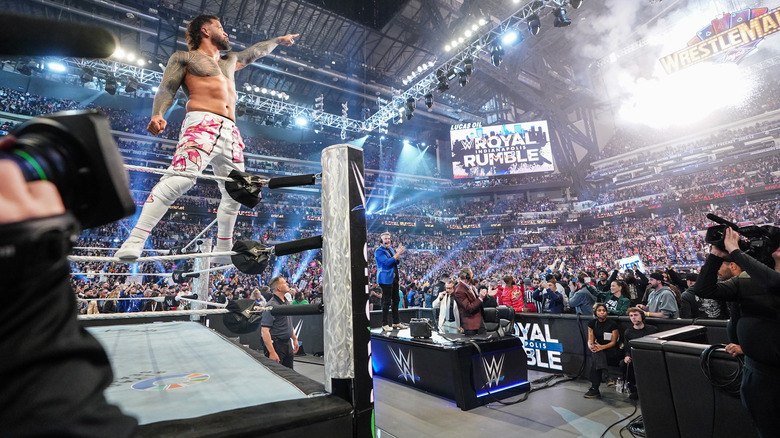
40 158
76 152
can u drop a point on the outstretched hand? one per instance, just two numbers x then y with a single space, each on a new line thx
287 40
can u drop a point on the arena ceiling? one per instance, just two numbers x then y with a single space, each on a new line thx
354 51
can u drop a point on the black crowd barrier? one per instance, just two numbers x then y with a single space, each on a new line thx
677 399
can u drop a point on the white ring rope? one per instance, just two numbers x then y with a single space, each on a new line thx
127 274
194 239
154 314
150 259
101 248
173 172
155 274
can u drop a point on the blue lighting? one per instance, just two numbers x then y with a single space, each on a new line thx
56 66
503 388
301 121
509 38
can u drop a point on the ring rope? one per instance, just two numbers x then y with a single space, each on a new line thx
101 248
154 314
264 181
150 259
194 239
128 274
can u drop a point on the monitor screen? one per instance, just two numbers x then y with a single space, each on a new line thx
501 149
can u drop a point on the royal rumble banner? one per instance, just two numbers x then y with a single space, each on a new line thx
500 149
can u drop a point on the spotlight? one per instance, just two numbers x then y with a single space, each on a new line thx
240 109
442 87
534 24
57 67
269 120
560 18
497 55
575 3
411 104
451 73
429 100
397 120
509 38
301 121
463 78
111 86
87 75
468 66
132 86
409 114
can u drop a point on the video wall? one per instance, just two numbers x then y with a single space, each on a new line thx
512 149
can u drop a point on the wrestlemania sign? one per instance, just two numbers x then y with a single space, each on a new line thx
726 39
500 149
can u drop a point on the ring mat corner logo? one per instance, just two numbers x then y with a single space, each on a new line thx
172 381
726 39
405 364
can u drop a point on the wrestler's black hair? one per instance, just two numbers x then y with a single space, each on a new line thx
194 37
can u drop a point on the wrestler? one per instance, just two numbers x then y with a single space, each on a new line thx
208 133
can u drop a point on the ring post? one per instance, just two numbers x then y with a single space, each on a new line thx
347 339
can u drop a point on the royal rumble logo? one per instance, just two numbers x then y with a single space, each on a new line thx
542 349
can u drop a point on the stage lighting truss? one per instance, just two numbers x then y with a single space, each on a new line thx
527 17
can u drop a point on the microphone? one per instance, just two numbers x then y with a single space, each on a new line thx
33 36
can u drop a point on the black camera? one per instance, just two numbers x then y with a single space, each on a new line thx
76 152
762 240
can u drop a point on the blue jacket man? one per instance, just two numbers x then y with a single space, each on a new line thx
387 260
552 300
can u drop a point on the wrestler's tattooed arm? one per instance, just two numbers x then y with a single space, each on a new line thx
173 78
255 52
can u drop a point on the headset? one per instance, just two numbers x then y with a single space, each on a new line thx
636 309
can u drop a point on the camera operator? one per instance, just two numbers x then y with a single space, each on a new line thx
55 371
757 292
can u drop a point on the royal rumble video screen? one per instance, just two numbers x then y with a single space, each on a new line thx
517 148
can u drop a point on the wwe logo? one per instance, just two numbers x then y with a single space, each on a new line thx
467 144
405 364
298 328
493 370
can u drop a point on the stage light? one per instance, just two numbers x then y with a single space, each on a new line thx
497 55
482 22
451 74
301 121
463 78
560 18
468 66
119 53
240 109
269 120
111 86
429 100
140 62
130 57
87 75
447 48
56 67
132 86
509 38
155 89
411 104
534 24
442 87
257 89
575 3
468 33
